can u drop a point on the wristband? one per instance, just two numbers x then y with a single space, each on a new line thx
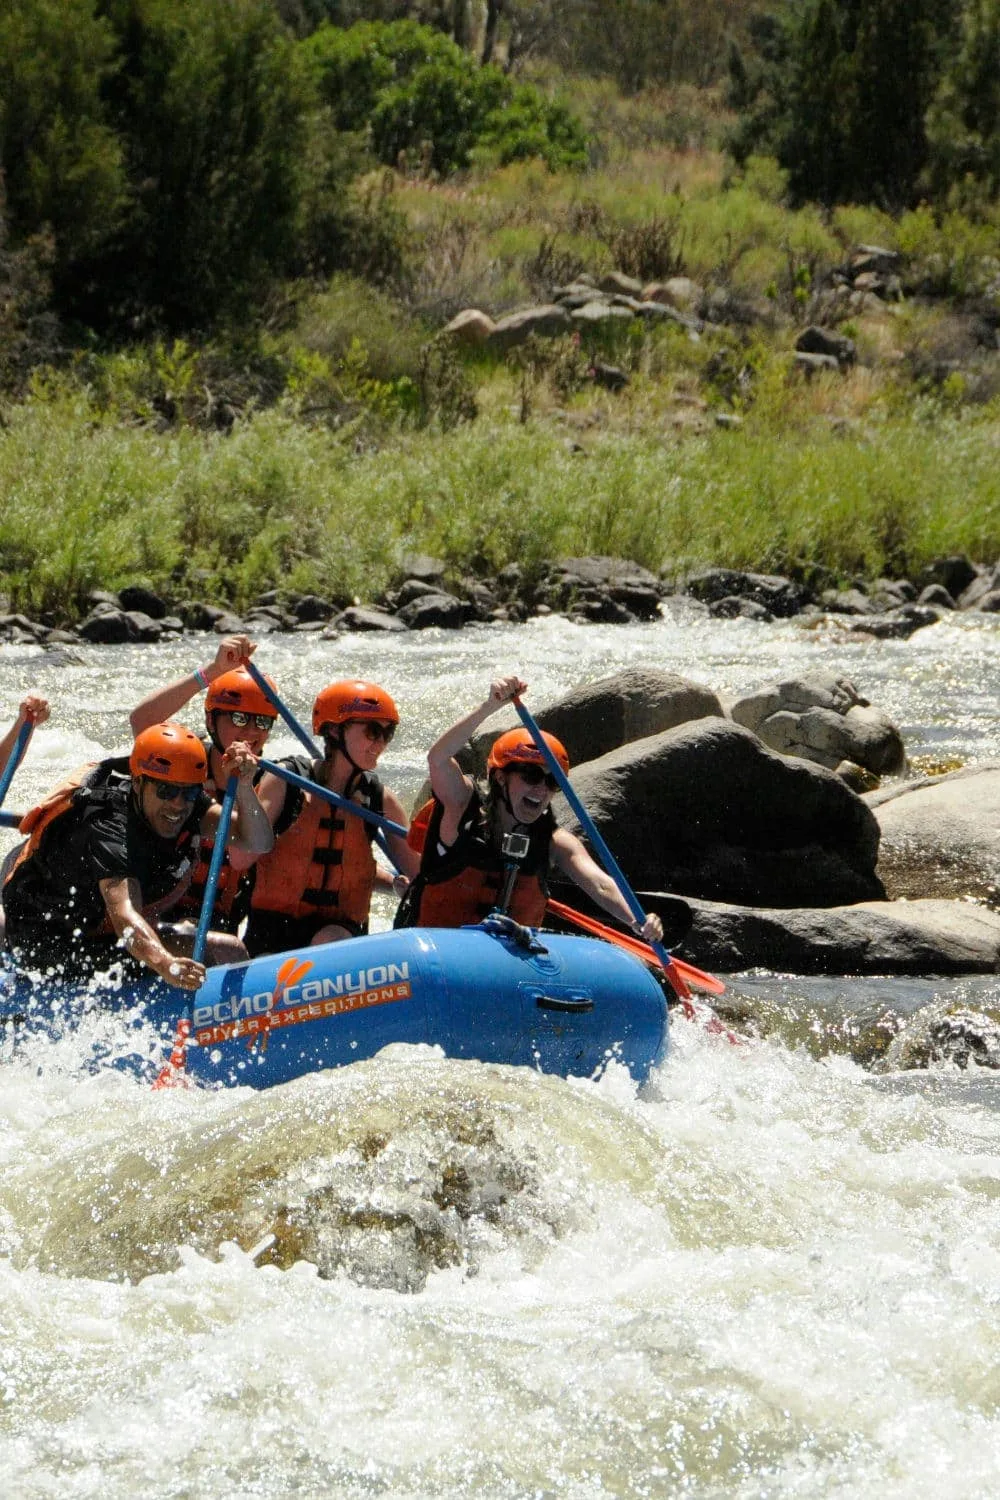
200 679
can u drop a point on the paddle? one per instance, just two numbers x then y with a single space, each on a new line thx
312 786
15 758
334 798
214 871
635 945
607 858
172 1074
10 820
286 713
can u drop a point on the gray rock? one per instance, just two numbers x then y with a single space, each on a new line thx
823 719
873 937
939 835
707 810
899 624
545 322
442 610
142 626
111 627
470 327
779 595
137 597
359 619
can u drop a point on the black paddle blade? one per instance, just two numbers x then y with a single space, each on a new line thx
674 912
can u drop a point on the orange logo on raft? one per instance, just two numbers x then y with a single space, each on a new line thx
255 1027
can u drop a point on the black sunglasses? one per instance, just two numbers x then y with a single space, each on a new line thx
534 775
374 731
241 719
171 791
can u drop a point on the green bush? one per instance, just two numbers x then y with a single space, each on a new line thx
422 98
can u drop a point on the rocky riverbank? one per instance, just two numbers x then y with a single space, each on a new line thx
595 590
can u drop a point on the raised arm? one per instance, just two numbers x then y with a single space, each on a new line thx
34 710
449 783
166 702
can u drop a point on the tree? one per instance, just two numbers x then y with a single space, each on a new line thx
964 121
212 104
61 161
842 92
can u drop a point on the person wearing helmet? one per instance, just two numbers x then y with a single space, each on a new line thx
493 851
236 709
109 853
316 884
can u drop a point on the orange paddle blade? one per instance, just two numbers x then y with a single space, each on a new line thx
636 946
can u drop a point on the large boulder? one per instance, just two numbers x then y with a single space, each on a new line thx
873 937
939 835
601 716
707 810
823 718
631 705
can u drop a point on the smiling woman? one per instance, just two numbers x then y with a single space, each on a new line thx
483 853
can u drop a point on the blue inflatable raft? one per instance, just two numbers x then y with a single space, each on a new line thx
496 992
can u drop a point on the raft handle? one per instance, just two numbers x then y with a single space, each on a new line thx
577 1004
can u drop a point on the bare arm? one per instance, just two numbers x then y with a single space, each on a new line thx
570 856
165 702
450 785
123 900
250 829
406 859
34 710
271 793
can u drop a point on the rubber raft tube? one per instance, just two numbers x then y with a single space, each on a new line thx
496 992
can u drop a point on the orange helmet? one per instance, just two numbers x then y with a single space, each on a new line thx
169 752
237 689
341 702
517 748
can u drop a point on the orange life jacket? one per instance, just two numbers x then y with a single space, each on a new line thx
94 775
463 883
322 863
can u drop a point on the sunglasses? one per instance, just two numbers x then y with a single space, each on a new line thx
241 720
374 732
168 791
535 775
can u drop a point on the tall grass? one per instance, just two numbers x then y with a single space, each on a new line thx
84 503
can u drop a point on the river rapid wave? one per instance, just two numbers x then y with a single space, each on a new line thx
770 1272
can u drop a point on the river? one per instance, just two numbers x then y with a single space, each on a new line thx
769 1273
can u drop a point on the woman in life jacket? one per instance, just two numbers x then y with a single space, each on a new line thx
316 884
110 852
236 709
492 851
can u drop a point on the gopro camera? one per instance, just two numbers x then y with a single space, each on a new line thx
515 846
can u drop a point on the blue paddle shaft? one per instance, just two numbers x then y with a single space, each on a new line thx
334 798
10 820
16 755
214 870
284 711
587 824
